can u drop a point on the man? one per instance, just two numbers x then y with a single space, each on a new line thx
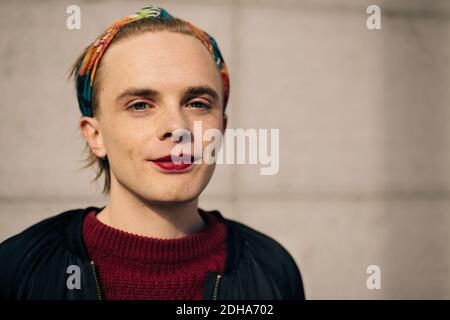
147 76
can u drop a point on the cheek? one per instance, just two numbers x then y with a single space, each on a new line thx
212 122
125 144
215 124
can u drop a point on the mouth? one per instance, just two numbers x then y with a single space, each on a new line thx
166 163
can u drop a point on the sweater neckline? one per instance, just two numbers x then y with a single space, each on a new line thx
109 241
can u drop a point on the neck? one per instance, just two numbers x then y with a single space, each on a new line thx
169 220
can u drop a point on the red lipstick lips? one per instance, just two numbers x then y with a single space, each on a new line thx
166 163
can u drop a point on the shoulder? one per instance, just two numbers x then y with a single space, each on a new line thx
44 230
20 252
271 255
263 244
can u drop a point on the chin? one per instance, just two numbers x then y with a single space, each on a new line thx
173 199
166 195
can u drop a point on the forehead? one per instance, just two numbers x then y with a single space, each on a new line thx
160 60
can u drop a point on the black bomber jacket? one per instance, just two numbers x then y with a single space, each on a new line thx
35 264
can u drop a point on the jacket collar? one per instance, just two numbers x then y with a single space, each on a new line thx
74 232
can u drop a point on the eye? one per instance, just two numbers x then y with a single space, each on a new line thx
139 106
199 105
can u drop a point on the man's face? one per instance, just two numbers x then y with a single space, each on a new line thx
143 97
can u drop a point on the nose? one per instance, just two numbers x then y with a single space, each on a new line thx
171 122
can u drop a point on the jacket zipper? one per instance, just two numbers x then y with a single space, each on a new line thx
99 295
97 285
216 286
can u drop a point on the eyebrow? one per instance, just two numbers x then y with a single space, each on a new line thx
154 94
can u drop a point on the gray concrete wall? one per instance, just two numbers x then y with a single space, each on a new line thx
363 116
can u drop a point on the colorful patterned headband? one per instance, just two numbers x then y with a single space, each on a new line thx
86 70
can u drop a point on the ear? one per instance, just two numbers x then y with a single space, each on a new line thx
225 122
90 128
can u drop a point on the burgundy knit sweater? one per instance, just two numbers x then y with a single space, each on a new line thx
137 267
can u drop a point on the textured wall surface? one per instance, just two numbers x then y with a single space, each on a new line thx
364 130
